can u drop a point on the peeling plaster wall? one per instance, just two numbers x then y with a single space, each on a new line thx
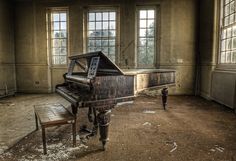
7 58
176 48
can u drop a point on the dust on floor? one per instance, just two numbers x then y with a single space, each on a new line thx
191 129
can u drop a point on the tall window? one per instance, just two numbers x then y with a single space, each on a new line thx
146 37
58 36
101 32
228 32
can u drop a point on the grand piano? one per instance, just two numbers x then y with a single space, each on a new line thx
93 81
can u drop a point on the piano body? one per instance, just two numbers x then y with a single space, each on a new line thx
95 82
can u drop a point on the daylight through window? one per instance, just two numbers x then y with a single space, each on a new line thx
146 38
58 37
228 32
102 32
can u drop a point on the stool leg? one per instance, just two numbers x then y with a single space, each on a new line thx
44 141
74 132
36 121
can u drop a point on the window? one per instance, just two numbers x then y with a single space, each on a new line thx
228 33
101 32
58 36
146 37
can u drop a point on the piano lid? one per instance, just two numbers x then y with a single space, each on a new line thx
98 62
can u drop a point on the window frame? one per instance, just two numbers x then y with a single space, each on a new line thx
220 25
156 34
49 34
117 37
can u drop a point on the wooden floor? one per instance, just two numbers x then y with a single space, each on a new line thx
191 129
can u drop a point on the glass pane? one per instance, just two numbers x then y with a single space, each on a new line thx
112 42
105 33
63 25
104 42
63 43
56 34
151 14
150 55
150 42
111 50
150 32
142 42
226 21
143 14
91 16
143 23
227 10
151 23
105 25
55 17
98 16
91 25
98 25
112 33
229 32
112 25
55 51
222 58
228 44
234 31
232 7
223 36
112 16
63 34
234 57
56 43
234 43
105 16
231 19
63 16
142 57
63 51
91 43
90 49
55 26
228 57
98 43
106 50
142 32
223 45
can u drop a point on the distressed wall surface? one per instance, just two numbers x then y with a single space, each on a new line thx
176 37
216 82
7 57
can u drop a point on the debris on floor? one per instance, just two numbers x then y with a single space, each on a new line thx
147 123
3 148
217 148
174 147
149 112
173 144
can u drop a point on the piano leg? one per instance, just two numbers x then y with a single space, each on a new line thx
90 118
74 111
103 118
95 122
164 93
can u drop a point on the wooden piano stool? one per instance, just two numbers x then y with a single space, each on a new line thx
53 115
